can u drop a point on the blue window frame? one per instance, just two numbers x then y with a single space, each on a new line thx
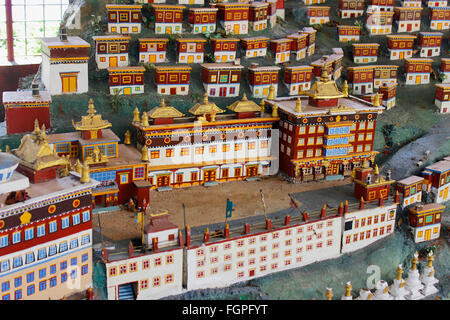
42 285
5 286
64 222
84 269
17 282
86 216
52 226
29 234
139 172
63 277
42 253
6 297
52 282
4 241
223 78
53 269
17 262
73 261
84 257
76 219
73 243
63 246
42 273
104 176
4 266
30 277
85 239
16 237
29 257
40 230
18 294
52 250
63 265
30 290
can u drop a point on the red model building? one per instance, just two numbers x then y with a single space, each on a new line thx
297 79
370 185
22 108
224 49
430 43
348 33
173 80
360 80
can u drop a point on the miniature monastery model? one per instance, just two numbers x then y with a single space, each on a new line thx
440 18
203 20
425 221
381 5
168 18
437 180
430 44
311 44
442 97
111 51
124 18
126 80
332 63
408 19
436 3
245 250
318 15
411 3
260 78
379 22
46 236
388 91
272 12
173 80
281 50
233 17
297 79
120 168
348 33
255 46
400 46
21 107
298 45
199 2
185 159
190 50
258 12
384 74
224 50
365 52
64 67
310 2
360 80
153 50
221 79
324 134
417 70
351 8
444 70
410 190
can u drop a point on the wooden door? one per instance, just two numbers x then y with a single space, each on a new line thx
236 29
222 91
445 193
252 171
69 84
113 62
163 181
439 26
127 90
363 89
152 58
169 30
402 55
173 91
427 234
190 59
409 27
418 80
209 175
430 52
333 169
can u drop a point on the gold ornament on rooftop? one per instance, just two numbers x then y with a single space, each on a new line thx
275 111
244 105
136 115
144 120
91 122
127 139
144 154
298 105
205 107
271 95
164 111
85 174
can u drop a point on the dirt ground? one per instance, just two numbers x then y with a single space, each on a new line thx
205 205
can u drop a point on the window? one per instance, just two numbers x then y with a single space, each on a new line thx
17 282
42 254
29 257
30 277
30 290
85 239
42 285
65 222
16 237
63 265
84 269
73 243
4 241
63 277
29 234
40 230
86 216
52 227
76 219
63 246
32 20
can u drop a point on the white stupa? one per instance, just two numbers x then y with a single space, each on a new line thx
397 289
382 291
428 278
413 283
365 294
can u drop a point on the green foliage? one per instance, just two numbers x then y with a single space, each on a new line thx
148 66
116 101
99 278
196 97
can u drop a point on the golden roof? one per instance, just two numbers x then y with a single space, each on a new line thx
164 111
92 121
324 88
205 107
244 105
34 151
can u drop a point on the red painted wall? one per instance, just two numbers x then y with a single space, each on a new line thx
20 120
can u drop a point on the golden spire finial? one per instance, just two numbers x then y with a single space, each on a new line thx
85 176
144 154
376 102
430 259
244 97
163 103
91 107
36 130
271 95
345 88
7 149
329 294
298 105
136 115
275 111
78 166
144 120
348 289
324 76
127 139
262 105
399 272
415 261
205 98
376 171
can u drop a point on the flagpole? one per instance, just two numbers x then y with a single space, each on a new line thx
264 203
184 215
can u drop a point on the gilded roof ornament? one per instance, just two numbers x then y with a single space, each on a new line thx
92 121
164 111
325 88
298 105
205 107
136 115
271 95
244 105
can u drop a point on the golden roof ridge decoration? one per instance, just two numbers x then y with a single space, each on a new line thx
92 121
325 88
205 107
34 151
244 105
164 111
